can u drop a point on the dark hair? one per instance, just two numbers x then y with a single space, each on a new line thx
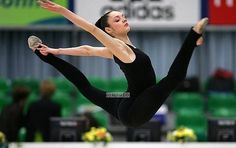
102 23
20 93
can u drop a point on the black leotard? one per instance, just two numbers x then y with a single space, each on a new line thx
139 74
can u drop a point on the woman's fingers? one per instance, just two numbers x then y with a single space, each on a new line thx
51 6
44 2
42 49
47 5
50 2
41 3
42 45
44 53
44 6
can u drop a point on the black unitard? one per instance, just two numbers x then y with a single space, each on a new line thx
146 96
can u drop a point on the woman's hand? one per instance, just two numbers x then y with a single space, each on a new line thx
50 6
45 50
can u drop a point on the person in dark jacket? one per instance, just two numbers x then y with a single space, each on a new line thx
12 119
40 112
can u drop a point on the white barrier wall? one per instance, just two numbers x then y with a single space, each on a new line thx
125 145
144 13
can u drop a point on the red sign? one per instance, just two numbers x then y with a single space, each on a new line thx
222 12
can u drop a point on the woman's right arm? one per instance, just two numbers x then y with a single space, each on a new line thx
84 50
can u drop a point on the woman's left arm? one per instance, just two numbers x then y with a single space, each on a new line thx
116 46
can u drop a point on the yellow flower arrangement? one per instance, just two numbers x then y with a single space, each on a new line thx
97 135
2 139
182 134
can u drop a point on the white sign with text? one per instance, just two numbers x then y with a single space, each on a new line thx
144 14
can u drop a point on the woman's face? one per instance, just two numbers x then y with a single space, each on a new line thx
118 24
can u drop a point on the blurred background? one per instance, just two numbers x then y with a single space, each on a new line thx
37 104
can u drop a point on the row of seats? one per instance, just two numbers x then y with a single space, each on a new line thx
120 84
67 96
193 110
216 104
115 84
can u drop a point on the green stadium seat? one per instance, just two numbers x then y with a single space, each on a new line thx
84 105
18 82
118 85
99 83
65 101
223 113
191 103
4 100
64 85
81 100
4 86
222 105
102 118
32 84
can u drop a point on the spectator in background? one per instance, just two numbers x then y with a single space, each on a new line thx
40 112
12 119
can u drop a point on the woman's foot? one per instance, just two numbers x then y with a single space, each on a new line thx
33 42
199 28
201 25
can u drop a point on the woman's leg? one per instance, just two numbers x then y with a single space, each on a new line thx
141 109
96 96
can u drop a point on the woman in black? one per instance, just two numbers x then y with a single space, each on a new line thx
143 96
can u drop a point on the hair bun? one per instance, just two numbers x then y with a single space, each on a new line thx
98 23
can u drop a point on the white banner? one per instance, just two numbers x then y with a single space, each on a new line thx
144 14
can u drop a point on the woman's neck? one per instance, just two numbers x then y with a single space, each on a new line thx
125 39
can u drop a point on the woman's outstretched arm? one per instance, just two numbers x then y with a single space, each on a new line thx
84 50
114 45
